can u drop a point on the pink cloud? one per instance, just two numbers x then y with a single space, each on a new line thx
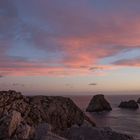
79 32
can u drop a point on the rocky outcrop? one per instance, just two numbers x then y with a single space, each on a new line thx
98 103
20 115
93 133
131 104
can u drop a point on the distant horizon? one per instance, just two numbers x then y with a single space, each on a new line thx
119 93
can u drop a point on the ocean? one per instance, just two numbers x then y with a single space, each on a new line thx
121 120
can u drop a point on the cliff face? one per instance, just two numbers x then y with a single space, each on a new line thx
29 112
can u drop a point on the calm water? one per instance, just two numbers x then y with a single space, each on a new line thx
121 120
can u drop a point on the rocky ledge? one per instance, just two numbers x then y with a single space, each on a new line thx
131 104
47 118
98 103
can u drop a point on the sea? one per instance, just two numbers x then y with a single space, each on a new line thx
121 120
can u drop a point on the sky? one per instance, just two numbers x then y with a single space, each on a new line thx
70 46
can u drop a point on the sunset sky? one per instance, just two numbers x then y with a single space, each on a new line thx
70 46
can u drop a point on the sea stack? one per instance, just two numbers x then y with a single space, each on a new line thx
131 104
98 104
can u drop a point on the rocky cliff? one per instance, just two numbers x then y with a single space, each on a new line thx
19 113
47 118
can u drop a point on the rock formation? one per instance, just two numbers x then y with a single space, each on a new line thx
20 115
98 103
131 104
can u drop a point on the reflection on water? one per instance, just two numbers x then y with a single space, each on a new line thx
121 120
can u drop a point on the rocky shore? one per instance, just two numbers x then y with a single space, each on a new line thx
47 118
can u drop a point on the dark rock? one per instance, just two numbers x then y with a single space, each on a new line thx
98 103
93 133
138 101
130 104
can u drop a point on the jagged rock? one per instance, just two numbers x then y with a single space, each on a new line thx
98 103
93 133
131 104
9 123
11 100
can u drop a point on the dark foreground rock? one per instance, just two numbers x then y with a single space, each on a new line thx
93 133
98 103
138 101
129 104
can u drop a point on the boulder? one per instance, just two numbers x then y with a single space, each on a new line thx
98 103
93 133
131 104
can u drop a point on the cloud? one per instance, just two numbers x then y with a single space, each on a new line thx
92 84
69 85
17 84
129 62
73 35
1 76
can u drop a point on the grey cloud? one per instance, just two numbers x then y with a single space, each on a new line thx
92 84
